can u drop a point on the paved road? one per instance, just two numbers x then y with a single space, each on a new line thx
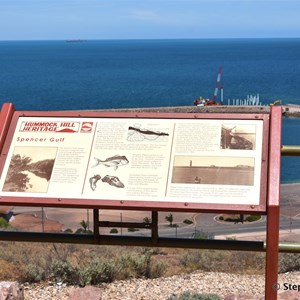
205 223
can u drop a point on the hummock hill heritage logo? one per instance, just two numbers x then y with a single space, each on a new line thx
37 126
86 127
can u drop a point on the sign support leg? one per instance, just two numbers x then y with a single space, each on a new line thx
272 253
273 201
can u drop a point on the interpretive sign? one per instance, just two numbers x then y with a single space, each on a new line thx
200 161
208 162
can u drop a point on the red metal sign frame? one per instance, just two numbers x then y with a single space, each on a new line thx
5 118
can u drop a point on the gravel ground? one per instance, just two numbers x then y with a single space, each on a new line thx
160 289
46 291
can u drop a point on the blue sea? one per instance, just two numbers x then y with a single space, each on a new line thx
95 74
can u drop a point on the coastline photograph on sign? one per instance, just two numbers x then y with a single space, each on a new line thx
213 170
30 169
136 133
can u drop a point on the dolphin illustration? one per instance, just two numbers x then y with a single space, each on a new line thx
114 161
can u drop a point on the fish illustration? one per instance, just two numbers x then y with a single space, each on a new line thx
114 161
114 181
93 180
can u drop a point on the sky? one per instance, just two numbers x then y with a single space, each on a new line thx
148 19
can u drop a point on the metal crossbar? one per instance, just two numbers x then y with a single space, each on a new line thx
290 150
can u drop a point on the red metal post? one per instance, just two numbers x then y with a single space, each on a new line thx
273 204
6 114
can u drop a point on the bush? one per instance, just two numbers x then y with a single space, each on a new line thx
252 218
97 271
199 234
241 262
9 272
132 229
133 265
194 296
288 262
4 223
65 271
188 221
157 269
34 273
114 230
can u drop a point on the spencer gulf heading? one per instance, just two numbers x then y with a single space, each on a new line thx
39 140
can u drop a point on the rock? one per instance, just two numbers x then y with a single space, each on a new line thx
289 295
86 293
11 290
239 297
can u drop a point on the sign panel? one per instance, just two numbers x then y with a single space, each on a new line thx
213 161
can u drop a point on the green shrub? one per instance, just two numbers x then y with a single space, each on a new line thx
230 219
4 223
252 218
288 262
241 262
200 234
114 230
34 273
157 269
97 271
133 265
132 229
194 296
65 271
188 221
231 238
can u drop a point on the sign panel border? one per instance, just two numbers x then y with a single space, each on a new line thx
137 204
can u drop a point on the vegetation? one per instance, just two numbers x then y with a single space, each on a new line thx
169 218
236 218
252 218
192 296
4 223
188 221
93 264
132 229
200 234
84 225
147 221
76 264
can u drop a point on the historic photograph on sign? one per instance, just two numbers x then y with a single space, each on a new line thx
213 170
30 169
237 136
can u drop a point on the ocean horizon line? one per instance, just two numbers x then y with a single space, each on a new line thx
151 39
